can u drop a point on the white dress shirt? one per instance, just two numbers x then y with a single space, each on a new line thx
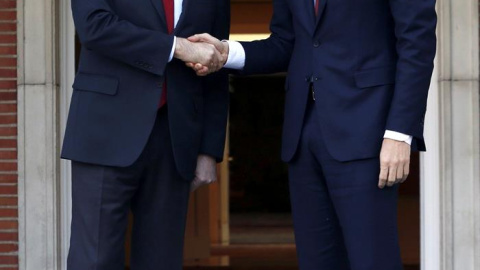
178 7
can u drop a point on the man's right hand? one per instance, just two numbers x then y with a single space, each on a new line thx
221 46
202 53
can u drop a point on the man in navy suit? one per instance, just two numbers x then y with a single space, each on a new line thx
356 93
141 127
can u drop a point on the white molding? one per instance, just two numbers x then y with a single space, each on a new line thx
37 136
453 128
430 184
67 75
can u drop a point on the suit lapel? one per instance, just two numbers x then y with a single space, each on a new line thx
321 10
309 19
158 4
182 16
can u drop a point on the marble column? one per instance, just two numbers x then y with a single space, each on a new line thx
38 135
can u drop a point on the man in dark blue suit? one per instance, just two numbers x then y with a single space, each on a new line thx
356 93
141 127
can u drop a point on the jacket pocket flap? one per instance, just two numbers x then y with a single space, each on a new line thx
96 83
375 77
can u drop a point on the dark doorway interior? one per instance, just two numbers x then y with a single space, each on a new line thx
259 198
258 176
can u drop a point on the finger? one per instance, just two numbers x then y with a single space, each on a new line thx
194 38
206 38
204 69
190 65
211 40
203 72
212 67
406 171
211 58
392 175
383 176
200 38
198 67
217 55
399 174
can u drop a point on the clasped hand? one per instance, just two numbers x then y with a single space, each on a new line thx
203 53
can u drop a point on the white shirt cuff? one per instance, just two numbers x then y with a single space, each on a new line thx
397 136
172 53
236 55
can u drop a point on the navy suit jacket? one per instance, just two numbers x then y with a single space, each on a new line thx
123 64
370 62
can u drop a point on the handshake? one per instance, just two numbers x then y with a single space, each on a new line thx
203 53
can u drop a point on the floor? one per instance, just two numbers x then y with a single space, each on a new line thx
261 228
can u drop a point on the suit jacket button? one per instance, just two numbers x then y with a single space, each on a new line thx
316 44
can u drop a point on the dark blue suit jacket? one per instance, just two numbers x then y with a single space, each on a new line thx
370 62
117 89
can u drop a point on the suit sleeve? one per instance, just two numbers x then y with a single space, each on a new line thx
103 32
216 94
272 54
415 24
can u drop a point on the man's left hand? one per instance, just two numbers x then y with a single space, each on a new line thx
394 163
206 172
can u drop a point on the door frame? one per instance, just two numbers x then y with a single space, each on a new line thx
436 240
430 170
67 76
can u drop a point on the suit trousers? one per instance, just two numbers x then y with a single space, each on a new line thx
342 220
103 196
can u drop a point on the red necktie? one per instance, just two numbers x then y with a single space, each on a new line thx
316 7
169 7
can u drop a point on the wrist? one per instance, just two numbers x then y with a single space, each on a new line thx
180 48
